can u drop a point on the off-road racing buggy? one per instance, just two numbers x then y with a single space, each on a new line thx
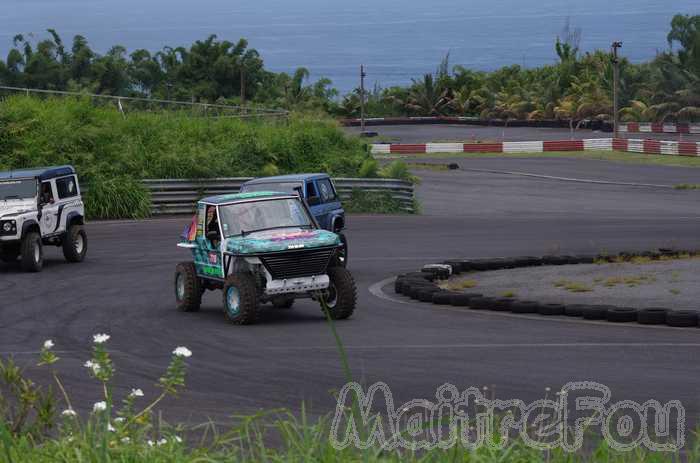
261 247
41 207
320 195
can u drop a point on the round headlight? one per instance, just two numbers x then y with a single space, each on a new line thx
7 226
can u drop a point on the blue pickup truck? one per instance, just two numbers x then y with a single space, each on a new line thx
320 195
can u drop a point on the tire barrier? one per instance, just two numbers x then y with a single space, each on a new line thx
672 148
424 286
649 127
179 196
457 120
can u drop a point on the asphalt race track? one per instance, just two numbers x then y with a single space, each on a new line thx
125 288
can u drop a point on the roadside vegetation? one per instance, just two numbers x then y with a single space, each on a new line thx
112 151
42 423
577 87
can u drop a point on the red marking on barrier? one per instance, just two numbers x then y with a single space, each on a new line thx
657 127
567 145
483 147
687 148
633 127
652 147
408 149
620 144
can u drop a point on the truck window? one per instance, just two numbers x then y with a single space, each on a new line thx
327 192
67 187
310 190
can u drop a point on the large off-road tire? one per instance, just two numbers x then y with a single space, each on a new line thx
32 253
342 294
75 244
282 302
188 290
241 299
9 253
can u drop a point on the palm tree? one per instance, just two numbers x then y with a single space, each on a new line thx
428 97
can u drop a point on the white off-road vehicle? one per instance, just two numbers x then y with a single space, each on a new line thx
40 207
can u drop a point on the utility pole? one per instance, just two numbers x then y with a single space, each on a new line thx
616 84
362 98
242 85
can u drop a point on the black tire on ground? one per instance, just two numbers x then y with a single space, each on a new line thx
442 298
682 318
282 302
584 259
342 296
527 261
398 285
595 312
422 275
9 253
550 309
481 303
652 316
524 307
426 295
188 288
622 315
501 304
32 253
555 260
75 244
463 299
456 266
453 166
575 310
241 299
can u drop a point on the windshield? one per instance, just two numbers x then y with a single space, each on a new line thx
17 189
243 218
282 187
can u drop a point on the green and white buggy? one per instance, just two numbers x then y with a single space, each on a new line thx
261 247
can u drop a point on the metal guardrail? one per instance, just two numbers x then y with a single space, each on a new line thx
179 196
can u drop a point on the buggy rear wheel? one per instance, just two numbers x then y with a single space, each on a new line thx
188 292
75 244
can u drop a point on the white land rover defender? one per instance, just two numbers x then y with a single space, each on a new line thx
41 207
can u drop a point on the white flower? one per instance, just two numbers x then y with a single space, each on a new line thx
119 419
136 393
110 428
68 412
149 442
182 352
162 442
99 407
48 344
95 367
125 440
100 338
177 439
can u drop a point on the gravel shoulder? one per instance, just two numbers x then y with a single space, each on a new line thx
671 284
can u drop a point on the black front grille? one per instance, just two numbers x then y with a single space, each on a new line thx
298 263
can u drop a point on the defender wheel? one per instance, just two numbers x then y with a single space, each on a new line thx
188 292
241 299
9 253
32 253
283 302
342 294
75 244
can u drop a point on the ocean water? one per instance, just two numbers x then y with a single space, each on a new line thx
395 39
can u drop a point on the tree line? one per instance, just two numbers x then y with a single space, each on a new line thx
578 86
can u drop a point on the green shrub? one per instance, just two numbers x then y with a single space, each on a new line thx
380 202
369 169
116 198
398 169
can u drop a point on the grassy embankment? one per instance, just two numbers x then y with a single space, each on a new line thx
112 152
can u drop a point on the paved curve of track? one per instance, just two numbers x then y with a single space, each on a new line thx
125 288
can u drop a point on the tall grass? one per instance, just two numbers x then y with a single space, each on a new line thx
108 148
